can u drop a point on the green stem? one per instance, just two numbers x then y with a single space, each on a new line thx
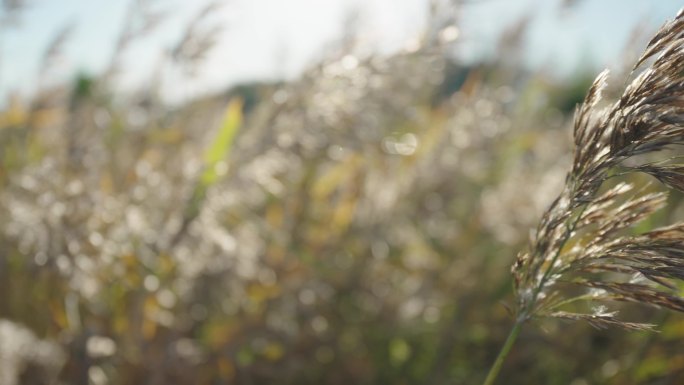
503 353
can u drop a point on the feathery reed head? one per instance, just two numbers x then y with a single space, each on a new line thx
581 239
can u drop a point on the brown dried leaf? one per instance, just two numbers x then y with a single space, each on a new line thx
602 321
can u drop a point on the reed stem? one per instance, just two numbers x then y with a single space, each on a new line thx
503 353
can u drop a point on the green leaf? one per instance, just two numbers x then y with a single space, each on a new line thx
222 144
218 151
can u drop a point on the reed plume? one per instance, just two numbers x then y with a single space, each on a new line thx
586 237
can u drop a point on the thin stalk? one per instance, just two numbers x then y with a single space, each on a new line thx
503 353
513 335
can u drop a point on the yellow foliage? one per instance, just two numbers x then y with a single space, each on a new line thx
260 293
149 326
219 333
226 368
275 215
335 177
273 351
344 214
14 115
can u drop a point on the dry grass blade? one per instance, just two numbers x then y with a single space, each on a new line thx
669 33
633 292
55 49
628 214
648 117
198 39
142 17
602 321
671 175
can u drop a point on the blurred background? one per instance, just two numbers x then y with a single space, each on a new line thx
298 192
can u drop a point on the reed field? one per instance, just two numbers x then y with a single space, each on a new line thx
382 218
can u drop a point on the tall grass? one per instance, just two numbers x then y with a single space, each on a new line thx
347 226
588 237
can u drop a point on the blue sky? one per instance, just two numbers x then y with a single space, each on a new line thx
266 39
